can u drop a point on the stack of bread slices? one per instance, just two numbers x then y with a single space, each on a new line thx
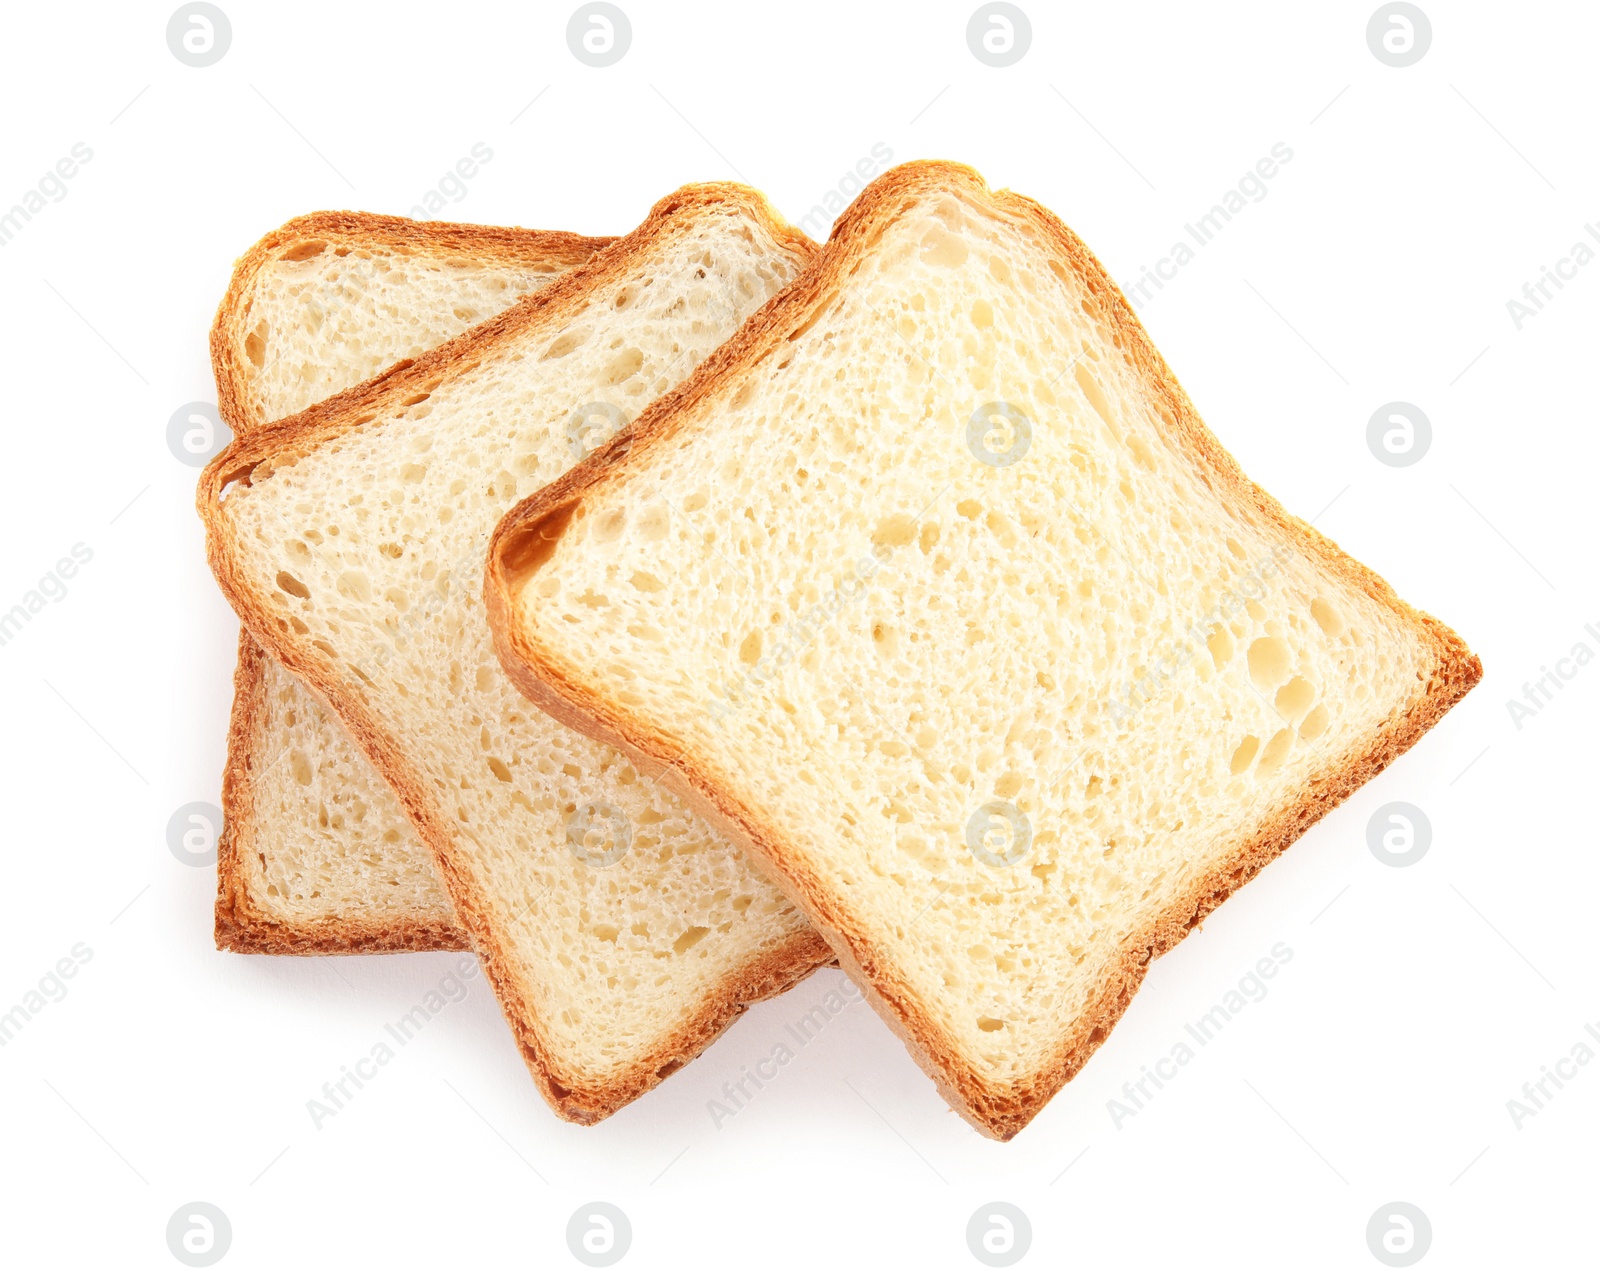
665 617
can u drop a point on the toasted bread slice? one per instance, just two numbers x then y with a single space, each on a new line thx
621 933
316 854
932 588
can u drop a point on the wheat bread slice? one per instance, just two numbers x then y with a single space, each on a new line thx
620 932
932 589
316 854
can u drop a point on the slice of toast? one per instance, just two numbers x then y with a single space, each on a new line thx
316 854
932 589
620 932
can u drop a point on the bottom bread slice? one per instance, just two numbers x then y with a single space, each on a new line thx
317 855
619 931
967 627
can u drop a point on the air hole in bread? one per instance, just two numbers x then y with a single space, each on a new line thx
1096 395
894 531
564 344
305 250
1315 723
1220 644
943 249
1328 617
622 367
1270 662
1277 749
1294 698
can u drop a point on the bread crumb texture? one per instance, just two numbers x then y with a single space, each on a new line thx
367 552
938 587
325 314
325 311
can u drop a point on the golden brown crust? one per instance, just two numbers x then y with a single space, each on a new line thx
574 1097
525 537
492 244
241 925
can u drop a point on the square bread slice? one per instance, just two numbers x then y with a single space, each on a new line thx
316 854
933 590
621 933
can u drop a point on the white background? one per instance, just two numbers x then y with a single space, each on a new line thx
1378 268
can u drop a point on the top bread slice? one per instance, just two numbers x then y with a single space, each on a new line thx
933 589
316 854
619 931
